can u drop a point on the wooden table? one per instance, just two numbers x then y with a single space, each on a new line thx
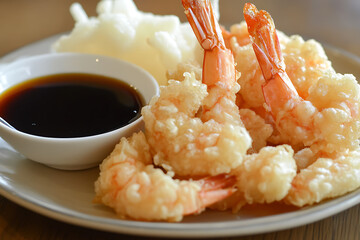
333 22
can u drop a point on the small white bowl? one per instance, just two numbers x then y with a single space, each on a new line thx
80 152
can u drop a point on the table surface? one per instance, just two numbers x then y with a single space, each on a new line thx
329 21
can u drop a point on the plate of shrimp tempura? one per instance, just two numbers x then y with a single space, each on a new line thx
268 121
253 130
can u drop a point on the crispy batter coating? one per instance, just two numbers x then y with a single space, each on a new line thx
182 142
326 178
264 177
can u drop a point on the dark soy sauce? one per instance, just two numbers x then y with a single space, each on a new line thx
70 105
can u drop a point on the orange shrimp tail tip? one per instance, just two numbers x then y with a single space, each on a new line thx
267 49
213 190
216 188
266 44
255 19
220 181
201 17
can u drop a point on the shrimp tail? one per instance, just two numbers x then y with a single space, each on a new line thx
218 68
265 40
213 189
217 182
203 22
278 88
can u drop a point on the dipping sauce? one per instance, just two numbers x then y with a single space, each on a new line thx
70 105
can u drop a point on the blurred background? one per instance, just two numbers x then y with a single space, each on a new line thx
332 22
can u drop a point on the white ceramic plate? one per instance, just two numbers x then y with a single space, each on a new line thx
67 195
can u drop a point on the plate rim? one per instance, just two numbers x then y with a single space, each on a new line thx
201 230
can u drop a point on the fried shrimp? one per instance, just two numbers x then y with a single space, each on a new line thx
130 184
264 177
326 178
194 128
306 62
328 121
